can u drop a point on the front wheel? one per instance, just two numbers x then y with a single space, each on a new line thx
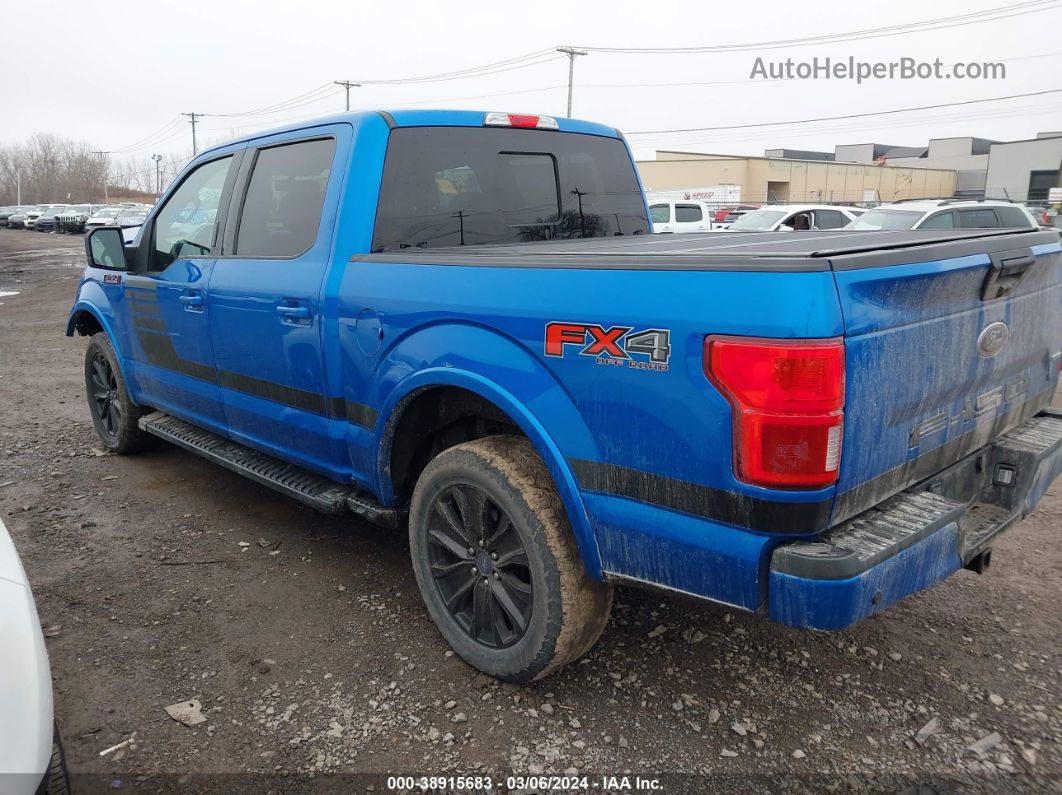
497 564
114 414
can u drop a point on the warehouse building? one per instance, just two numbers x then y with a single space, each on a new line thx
781 179
1025 170
1020 170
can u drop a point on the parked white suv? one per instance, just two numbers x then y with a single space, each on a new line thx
946 214
38 211
31 756
680 216
789 217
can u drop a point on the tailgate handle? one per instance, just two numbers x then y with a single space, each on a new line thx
1005 272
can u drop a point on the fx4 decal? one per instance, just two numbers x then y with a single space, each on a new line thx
613 346
112 278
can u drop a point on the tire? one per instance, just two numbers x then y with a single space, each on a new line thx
537 611
57 779
114 414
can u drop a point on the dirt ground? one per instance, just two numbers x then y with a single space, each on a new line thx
161 578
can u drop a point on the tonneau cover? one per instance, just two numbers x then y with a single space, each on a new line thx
775 251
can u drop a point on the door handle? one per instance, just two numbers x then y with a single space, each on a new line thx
294 312
191 300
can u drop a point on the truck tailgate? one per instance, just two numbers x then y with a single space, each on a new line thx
948 346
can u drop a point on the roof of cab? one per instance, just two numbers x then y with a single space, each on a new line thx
421 118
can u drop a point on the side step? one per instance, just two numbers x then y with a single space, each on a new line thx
307 487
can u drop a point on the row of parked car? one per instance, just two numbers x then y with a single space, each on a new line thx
73 217
687 216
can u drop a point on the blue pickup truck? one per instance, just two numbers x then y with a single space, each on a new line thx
460 323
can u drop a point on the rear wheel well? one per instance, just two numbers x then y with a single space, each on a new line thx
436 419
86 325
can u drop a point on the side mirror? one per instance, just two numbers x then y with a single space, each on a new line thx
105 248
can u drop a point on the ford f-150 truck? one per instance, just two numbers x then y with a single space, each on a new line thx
460 323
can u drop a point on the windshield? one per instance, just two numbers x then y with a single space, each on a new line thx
139 214
758 220
107 213
881 218
78 208
463 186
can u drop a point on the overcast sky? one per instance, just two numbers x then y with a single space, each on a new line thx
118 74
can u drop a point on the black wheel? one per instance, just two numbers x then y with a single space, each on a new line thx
497 564
114 414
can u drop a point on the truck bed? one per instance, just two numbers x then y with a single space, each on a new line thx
752 251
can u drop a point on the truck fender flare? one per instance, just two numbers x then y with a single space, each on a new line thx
104 317
400 397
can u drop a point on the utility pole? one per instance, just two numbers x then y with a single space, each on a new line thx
347 85
18 183
192 117
158 174
103 162
571 52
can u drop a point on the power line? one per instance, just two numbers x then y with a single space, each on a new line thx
988 15
849 115
306 98
474 71
148 140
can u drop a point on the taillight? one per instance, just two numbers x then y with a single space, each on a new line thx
788 401
520 120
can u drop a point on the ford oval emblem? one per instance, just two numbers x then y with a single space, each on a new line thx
992 339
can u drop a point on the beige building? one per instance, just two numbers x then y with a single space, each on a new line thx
765 179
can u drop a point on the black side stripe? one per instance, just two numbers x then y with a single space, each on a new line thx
160 352
729 507
141 282
149 323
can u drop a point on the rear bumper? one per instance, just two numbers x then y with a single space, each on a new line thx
917 538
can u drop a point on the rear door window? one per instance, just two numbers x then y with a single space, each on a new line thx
939 221
830 219
688 213
282 207
454 186
981 218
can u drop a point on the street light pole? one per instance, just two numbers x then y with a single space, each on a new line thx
571 52
158 174
347 85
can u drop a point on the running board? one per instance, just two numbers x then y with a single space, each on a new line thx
307 487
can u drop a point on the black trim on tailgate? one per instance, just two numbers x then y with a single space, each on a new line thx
872 492
694 498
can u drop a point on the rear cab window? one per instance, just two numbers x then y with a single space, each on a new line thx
461 186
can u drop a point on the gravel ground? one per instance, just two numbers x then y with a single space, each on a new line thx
161 578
